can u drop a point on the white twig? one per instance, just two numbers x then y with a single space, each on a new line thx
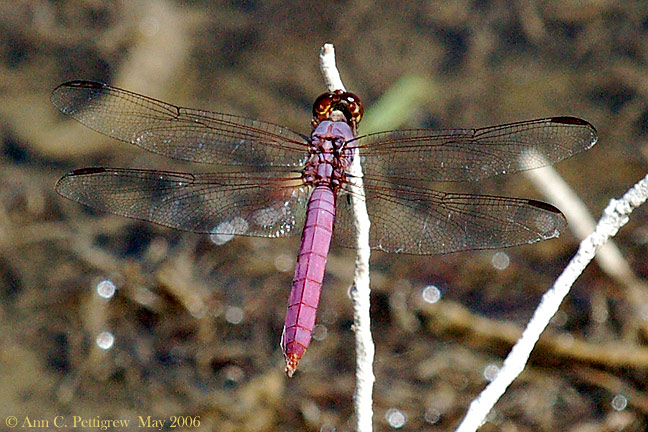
581 223
614 217
329 69
363 398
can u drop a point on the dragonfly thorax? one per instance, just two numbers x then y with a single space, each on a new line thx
330 156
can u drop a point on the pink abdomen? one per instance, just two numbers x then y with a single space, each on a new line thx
309 273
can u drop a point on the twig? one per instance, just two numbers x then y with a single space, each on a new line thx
360 290
614 217
581 223
329 69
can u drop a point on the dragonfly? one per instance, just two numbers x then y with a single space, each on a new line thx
268 181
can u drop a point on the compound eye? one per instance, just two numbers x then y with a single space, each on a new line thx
354 107
322 107
346 102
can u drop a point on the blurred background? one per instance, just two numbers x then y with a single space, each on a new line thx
193 328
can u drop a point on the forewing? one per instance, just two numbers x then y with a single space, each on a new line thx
231 203
176 132
415 156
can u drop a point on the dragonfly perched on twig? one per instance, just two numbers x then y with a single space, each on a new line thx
288 184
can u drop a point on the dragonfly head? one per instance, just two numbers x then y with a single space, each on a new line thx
329 106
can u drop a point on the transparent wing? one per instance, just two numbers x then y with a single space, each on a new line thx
420 221
412 156
230 203
180 133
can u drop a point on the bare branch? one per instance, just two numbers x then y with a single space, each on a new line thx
365 349
614 217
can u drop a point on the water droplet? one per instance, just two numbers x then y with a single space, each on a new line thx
320 332
398 301
640 236
105 340
567 340
225 231
106 289
234 315
432 415
500 260
197 308
284 262
233 376
220 239
396 418
619 402
431 294
491 371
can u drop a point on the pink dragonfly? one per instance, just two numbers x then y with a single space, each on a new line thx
273 182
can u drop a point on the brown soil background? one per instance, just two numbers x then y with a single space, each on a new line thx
447 64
